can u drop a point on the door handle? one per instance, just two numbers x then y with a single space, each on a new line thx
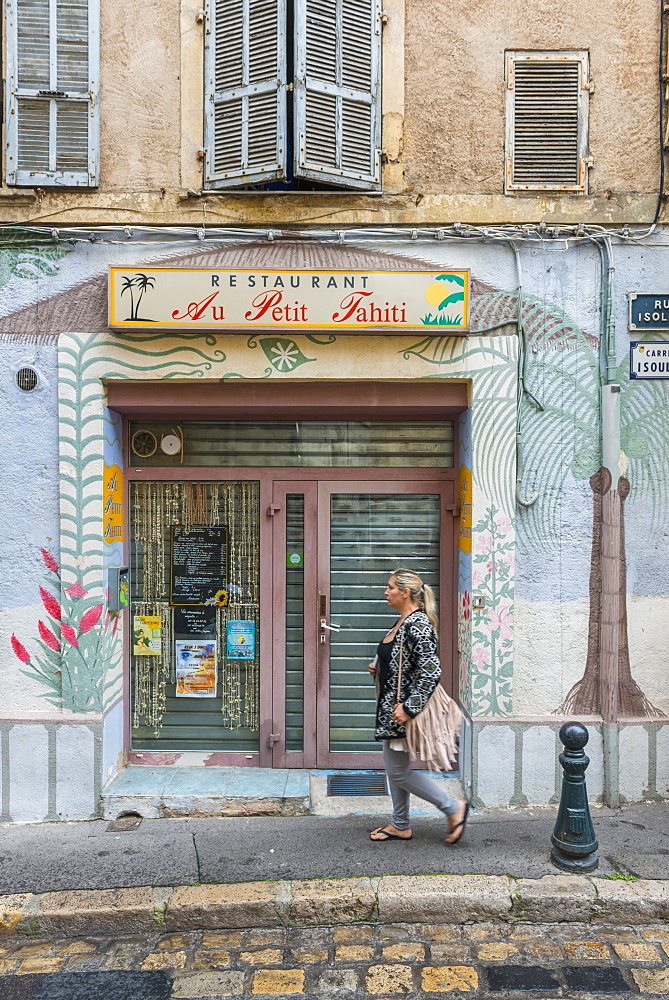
331 627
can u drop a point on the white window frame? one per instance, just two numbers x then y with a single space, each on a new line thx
13 93
585 88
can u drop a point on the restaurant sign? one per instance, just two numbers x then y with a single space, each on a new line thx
233 299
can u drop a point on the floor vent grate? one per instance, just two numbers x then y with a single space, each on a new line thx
357 784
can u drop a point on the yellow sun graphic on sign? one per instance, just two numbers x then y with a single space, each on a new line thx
447 296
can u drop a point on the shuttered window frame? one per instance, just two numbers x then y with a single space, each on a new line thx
336 133
548 179
54 104
245 92
338 92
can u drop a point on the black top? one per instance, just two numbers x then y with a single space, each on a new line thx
420 674
384 653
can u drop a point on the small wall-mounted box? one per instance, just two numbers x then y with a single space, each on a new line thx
119 588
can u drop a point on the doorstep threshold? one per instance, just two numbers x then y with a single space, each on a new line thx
164 792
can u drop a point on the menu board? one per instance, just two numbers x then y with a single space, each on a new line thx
199 566
194 621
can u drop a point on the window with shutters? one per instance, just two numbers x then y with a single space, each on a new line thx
293 93
547 97
51 93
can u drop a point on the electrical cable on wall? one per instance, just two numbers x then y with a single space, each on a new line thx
545 237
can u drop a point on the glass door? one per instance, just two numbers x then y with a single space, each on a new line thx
336 544
195 617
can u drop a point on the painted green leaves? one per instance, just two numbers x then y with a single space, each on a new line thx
284 355
491 663
30 265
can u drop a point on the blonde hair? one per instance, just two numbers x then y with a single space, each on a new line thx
421 593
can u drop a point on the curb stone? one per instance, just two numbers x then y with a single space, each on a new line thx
328 902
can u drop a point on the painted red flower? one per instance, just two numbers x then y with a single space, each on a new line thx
20 650
502 619
50 603
90 618
48 637
49 561
68 633
466 605
75 590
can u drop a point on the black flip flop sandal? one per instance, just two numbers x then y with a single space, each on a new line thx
461 824
386 836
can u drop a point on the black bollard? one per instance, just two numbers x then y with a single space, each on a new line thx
574 841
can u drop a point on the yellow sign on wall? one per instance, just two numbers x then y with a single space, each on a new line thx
112 504
188 298
465 509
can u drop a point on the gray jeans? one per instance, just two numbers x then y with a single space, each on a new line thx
405 782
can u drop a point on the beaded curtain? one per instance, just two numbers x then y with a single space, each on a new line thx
157 507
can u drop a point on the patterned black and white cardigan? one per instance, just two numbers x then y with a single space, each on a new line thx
421 672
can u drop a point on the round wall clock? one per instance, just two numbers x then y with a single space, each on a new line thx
170 444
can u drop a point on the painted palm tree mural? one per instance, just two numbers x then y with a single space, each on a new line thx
139 285
559 426
643 412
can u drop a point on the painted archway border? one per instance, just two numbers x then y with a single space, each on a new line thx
88 435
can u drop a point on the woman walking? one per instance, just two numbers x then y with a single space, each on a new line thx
414 634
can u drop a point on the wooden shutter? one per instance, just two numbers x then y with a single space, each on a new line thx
547 116
52 92
245 72
338 92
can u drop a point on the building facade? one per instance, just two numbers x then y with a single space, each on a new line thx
279 315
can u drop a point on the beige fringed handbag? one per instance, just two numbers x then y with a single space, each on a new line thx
432 736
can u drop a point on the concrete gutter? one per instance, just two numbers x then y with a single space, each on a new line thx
388 899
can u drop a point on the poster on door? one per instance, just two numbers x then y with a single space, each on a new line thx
195 669
240 640
147 633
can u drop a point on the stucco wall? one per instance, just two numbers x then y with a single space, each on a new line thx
140 112
454 125
443 127
29 506
524 650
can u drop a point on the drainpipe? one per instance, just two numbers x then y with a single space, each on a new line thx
524 501
609 630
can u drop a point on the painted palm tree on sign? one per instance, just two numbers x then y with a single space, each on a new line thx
141 282
127 285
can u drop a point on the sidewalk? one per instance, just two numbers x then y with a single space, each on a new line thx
48 857
106 878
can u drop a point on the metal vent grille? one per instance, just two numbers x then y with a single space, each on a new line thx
546 123
357 784
27 379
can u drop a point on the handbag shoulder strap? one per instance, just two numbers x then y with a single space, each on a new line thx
399 671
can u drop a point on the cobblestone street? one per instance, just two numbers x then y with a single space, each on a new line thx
384 960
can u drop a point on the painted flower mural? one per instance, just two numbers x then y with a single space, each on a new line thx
491 661
72 682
